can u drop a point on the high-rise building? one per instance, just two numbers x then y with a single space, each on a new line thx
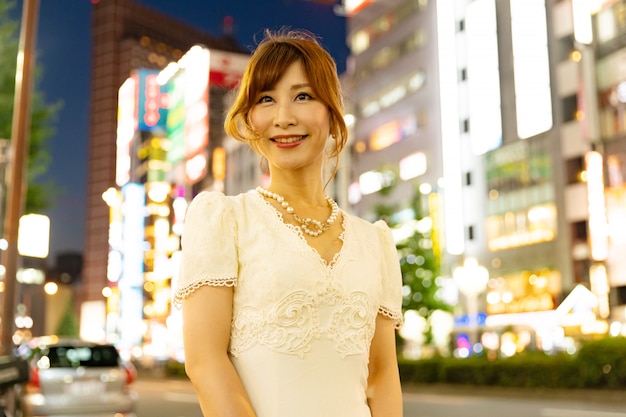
608 48
126 37
492 107
393 89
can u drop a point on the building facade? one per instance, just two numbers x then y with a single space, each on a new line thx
513 123
126 37
609 48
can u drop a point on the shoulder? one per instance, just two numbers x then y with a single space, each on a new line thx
218 199
377 231
357 221
376 227
204 198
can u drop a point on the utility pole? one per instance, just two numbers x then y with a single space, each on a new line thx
20 135
5 145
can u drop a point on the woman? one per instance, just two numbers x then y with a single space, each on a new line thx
289 304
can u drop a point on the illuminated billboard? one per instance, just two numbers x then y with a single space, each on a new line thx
134 211
533 93
392 132
483 76
175 125
131 281
34 235
188 82
353 6
596 207
226 68
142 106
126 127
450 135
151 101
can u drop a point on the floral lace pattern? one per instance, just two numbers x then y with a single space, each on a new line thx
353 325
288 328
293 323
396 316
184 292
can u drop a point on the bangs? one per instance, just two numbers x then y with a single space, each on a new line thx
271 66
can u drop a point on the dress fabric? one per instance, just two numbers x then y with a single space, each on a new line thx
301 327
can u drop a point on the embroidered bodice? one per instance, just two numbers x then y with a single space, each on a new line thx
291 308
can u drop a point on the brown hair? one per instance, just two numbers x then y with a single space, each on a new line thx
273 55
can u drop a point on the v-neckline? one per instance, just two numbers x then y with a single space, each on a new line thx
299 234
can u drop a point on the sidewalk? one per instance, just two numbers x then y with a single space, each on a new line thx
580 395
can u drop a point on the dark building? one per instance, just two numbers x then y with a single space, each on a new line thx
68 268
125 36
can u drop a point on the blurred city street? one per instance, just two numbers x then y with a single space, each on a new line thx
175 398
166 398
433 405
489 135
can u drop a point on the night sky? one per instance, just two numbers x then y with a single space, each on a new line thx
64 56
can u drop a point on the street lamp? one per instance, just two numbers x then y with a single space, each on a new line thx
471 280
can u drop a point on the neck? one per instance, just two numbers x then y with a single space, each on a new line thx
305 185
304 192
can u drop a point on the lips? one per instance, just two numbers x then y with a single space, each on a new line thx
285 140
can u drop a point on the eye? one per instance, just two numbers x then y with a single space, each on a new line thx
303 96
264 99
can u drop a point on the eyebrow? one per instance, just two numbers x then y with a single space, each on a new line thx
293 87
299 86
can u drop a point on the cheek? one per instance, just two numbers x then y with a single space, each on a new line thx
319 117
256 120
325 122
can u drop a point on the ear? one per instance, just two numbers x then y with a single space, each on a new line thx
264 165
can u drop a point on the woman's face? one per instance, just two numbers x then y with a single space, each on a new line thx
293 124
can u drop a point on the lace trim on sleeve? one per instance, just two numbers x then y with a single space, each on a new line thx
396 316
185 292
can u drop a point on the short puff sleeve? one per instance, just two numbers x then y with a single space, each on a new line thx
209 248
391 304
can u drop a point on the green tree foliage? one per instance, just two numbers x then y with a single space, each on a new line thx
419 262
68 325
43 115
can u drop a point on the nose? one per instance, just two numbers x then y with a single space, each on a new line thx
284 116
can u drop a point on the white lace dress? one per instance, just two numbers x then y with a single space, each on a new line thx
301 327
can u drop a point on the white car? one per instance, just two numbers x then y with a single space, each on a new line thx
78 378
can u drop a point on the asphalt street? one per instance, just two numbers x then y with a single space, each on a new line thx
159 397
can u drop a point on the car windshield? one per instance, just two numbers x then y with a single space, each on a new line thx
75 356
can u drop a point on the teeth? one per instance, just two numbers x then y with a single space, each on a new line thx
288 140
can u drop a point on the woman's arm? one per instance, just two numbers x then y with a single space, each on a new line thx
207 316
384 393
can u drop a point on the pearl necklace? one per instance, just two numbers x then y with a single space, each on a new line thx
308 225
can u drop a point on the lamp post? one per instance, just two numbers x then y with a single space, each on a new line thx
471 280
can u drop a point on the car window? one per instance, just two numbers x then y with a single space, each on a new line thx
90 356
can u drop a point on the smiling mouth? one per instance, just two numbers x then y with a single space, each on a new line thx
288 140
